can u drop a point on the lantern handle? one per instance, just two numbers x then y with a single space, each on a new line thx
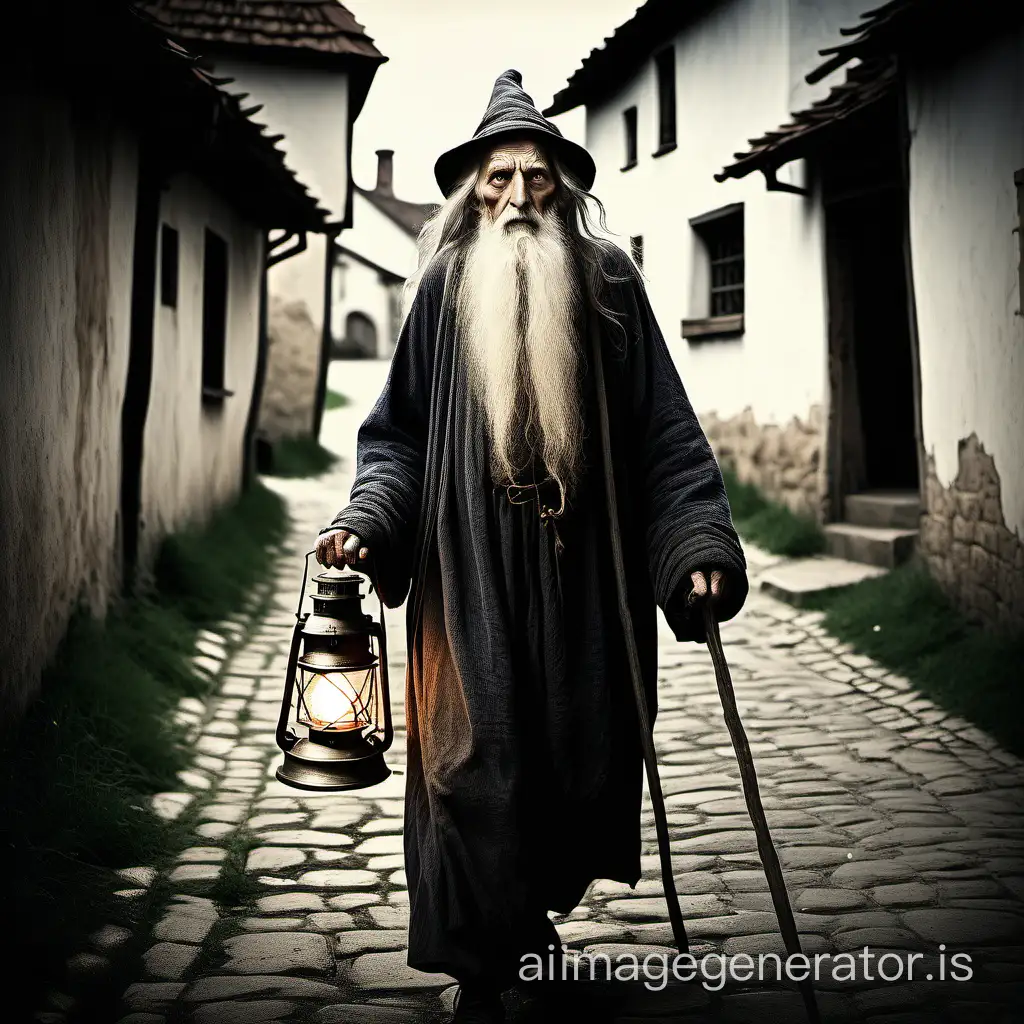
378 630
302 588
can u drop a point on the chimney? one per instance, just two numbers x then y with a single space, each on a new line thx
385 158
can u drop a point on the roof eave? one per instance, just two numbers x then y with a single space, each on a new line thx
371 197
234 147
796 140
288 56
625 52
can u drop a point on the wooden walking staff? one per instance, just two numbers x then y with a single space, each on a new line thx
765 846
752 796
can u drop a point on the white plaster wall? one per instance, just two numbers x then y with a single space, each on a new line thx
300 278
295 290
967 123
359 289
67 215
192 459
732 83
310 107
378 238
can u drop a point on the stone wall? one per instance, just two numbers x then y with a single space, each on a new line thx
784 462
966 543
292 362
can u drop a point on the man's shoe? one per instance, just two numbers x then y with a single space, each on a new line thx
477 1006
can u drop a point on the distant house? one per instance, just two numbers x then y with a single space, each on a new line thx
135 199
372 261
308 66
735 273
918 158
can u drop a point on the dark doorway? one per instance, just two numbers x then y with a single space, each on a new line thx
873 439
360 341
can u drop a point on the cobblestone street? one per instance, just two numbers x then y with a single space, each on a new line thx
899 827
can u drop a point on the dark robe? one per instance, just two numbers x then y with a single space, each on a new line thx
524 769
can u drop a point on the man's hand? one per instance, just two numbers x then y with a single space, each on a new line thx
700 586
340 548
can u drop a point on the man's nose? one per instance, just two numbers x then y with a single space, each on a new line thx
518 196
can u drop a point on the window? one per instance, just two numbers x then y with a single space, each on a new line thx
720 270
636 250
215 315
168 266
724 239
629 122
665 66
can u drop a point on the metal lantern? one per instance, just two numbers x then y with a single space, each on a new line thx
337 690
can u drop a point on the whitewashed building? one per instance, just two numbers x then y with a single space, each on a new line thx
847 322
734 275
308 65
919 159
372 261
135 197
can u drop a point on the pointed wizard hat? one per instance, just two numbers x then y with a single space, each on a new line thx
509 113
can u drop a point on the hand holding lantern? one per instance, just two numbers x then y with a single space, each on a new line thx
338 548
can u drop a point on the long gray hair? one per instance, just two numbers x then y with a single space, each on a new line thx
455 223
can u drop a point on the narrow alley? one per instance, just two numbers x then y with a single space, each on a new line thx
899 827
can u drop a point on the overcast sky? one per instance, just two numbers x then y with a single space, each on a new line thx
444 58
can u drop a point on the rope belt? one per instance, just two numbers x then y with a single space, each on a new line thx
543 493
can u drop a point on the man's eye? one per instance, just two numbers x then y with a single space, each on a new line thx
499 177
539 176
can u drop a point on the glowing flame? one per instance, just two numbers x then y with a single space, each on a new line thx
332 702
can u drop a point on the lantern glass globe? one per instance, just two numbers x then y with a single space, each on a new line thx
332 702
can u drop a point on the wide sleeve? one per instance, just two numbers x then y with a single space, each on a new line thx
385 501
687 519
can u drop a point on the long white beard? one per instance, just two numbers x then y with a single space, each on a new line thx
516 309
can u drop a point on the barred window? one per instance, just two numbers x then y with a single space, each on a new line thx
722 234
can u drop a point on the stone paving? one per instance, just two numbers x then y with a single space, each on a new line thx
899 827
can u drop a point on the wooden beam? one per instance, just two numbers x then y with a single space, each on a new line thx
713 327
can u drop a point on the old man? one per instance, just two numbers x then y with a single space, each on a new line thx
480 493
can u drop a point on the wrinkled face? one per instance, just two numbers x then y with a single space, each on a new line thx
515 185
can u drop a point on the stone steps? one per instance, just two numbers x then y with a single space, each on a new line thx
880 528
898 510
873 545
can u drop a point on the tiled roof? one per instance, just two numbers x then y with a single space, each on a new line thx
882 30
920 26
865 84
625 51
883 36
304 27
410 217
235 154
